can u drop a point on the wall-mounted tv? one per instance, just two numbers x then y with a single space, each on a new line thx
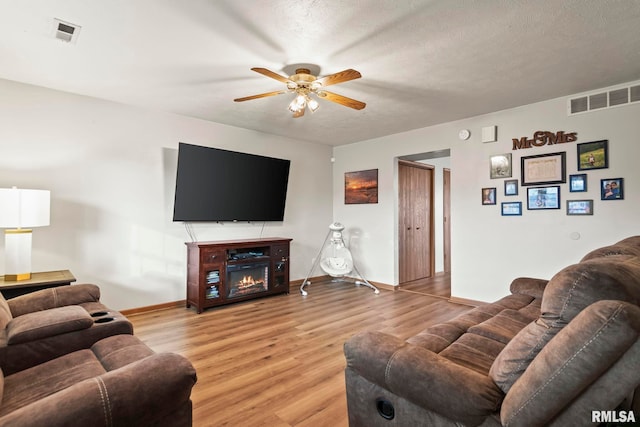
220 185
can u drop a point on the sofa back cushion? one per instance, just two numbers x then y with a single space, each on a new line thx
597 351
630 241
612 250
5 313
570 291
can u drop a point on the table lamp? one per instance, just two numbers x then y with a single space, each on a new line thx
20 210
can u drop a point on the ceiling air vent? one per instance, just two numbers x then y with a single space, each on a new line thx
66 31
604 99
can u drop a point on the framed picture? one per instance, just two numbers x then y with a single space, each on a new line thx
361 187
593 155
489 196
544 169
543 198
612 189
578 183
511 208
511 187
579 207
500 166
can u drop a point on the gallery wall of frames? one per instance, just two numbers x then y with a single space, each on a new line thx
546 182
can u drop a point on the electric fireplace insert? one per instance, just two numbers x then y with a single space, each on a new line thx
246 279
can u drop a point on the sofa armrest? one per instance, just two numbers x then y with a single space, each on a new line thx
423 377
145 392
528 286
47 323
53 297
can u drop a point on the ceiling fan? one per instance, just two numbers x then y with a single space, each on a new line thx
304 85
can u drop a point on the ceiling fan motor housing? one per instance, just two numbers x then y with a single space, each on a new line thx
302 79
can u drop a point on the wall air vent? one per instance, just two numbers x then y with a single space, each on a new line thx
65 31
603 99
635 93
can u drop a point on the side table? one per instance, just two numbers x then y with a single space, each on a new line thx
42 280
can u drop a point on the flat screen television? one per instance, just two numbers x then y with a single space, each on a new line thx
220 185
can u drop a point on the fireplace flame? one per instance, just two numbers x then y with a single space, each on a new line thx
248 280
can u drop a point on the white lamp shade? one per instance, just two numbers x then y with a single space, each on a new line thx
21 208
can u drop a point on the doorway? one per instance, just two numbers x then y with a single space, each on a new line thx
424 256
415 217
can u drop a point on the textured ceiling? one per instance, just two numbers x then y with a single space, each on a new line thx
422 62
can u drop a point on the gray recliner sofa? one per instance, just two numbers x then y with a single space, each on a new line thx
558 352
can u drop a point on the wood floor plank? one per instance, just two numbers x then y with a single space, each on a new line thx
279 361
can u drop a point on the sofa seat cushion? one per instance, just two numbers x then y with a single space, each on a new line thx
517 308
504 325
570 291
47 323
33 384
473 352
437 337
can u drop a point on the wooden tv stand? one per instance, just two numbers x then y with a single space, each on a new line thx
222 272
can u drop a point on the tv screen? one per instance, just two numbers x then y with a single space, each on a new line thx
220 185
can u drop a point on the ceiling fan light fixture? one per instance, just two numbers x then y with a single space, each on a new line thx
293 106
299 103
312 104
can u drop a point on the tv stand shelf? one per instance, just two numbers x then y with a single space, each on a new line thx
228 271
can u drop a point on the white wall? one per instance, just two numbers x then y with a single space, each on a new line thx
111 172
489 250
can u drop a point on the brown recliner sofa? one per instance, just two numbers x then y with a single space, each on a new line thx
558 352
43 325
118 381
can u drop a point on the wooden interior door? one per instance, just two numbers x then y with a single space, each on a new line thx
415 246
446 216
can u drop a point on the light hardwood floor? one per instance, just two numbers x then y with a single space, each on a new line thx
438 285
278 361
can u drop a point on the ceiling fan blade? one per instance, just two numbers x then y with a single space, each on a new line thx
342 100
262 95
271 74
341 77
